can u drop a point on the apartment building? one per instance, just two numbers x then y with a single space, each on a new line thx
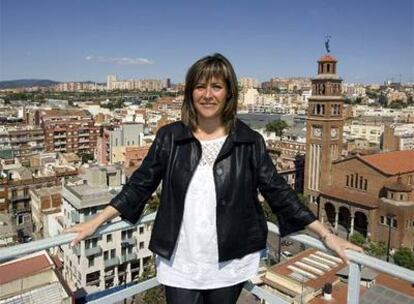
131 156
113 83
249 82
16 190
22 141
398 137
114 259
371 130
289 159
125 135
45 203
69 131
8 232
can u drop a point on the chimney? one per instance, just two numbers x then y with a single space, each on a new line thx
327 291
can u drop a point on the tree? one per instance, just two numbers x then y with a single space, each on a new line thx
86 157
152 296
277 127
376 249
152 204
404 257
303 199
358 239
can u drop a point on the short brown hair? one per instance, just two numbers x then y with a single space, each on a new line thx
204 69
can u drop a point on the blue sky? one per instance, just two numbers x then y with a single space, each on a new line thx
89 39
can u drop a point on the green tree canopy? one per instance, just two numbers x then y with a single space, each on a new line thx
277 127
375 249
358 239
404 257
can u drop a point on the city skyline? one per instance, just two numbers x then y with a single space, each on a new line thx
79 41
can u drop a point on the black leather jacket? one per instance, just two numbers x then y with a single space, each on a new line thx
241 169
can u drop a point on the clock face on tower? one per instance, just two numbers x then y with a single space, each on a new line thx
334 132
317 131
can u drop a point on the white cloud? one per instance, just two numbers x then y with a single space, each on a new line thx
119 60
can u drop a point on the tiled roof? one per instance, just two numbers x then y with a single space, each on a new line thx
23 268
391 163
352 196
327 58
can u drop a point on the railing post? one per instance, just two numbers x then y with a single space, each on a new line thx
354 278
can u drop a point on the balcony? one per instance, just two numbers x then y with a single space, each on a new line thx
356 261
93 251
132 241
76 250
19 198
128 257
75 216
111 262
59 136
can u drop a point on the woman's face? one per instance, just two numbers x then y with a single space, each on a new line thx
209 98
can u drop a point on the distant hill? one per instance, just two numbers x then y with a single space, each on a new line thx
25 83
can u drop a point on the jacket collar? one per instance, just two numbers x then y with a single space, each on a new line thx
240 133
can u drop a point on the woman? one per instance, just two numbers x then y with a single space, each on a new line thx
210 227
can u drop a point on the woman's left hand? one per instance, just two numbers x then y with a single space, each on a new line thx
338 245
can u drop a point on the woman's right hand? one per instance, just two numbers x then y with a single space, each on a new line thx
83 230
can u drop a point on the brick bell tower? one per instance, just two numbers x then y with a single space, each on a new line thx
324 126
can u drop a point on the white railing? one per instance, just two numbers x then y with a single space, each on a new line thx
356 261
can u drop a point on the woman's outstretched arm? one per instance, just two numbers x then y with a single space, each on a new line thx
88 228
333 242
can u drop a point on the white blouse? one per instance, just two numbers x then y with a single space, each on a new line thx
194 262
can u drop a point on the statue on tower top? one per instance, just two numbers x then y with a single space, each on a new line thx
327 39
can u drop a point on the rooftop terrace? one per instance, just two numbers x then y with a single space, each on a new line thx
357 260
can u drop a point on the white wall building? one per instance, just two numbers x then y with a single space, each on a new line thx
113 259
370 131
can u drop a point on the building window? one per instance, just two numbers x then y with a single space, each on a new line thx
141 245
335 109
113 253
347 180
141 230
389 221
106 255
109 238
91 261
91 243
365 184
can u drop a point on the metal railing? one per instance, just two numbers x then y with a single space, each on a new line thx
356 261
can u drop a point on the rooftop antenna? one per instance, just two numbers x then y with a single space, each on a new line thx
327 40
